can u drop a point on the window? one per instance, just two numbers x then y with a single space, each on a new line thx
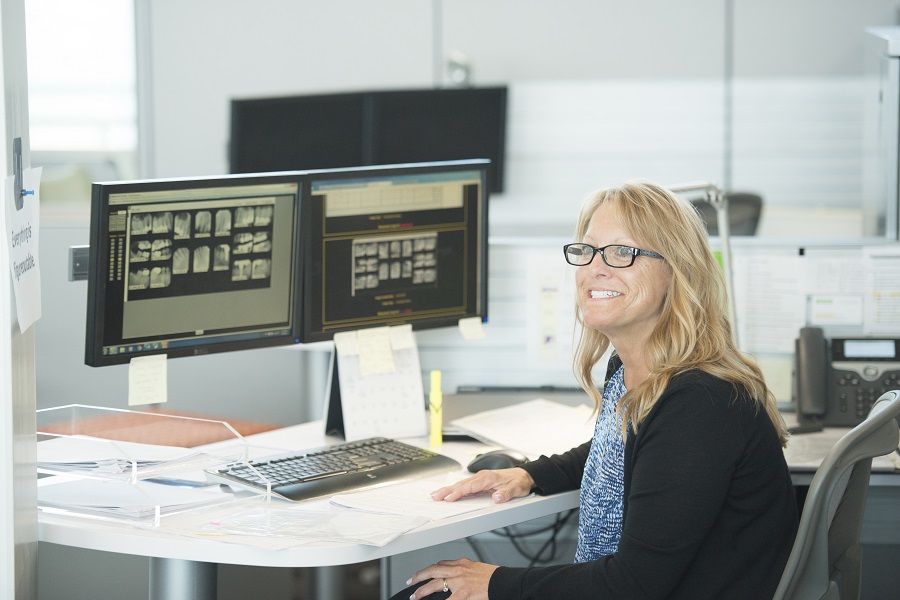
81 93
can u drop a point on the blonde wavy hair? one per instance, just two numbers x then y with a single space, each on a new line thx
693 331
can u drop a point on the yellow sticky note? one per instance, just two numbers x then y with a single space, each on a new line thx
147 380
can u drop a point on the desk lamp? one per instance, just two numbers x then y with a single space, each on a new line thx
718 200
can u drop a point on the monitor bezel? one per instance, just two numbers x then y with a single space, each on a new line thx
98 258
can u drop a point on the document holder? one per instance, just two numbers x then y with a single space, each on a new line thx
123 465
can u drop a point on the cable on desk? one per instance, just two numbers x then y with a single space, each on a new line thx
515 538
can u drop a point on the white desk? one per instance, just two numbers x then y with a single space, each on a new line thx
185 567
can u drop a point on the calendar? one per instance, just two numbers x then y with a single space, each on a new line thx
376 387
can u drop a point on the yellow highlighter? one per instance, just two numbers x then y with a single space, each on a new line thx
436 407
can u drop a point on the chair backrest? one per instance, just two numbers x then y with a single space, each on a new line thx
825 562
744 211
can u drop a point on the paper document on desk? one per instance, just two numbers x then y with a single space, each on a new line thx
296 526
278 525
101 456
534 428
412 498
805 452
119 500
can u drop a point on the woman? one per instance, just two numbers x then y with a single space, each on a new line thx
708 506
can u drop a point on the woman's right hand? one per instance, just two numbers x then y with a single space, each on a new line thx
503 484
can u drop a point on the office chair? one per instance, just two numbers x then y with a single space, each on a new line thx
826 559
744 211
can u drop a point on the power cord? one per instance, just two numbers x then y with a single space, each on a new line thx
516 538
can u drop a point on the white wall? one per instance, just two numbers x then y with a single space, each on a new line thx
600 90
18 475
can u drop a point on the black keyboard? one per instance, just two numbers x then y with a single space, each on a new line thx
334 469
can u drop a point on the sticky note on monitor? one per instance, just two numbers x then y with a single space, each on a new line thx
471 328
147 380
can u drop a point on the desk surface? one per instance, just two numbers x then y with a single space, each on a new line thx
160 543
802 454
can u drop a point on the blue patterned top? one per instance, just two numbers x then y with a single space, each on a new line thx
600 517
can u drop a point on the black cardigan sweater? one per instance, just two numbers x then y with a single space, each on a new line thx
710 510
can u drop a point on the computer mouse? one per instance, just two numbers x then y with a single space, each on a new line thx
503 458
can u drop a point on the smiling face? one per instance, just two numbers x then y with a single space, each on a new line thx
623 304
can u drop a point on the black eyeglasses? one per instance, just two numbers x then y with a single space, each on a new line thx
618 257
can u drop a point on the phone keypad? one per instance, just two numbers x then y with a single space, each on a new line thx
855 396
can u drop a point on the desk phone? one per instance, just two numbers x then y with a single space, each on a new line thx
836 381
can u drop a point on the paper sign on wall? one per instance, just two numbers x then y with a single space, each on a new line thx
22 229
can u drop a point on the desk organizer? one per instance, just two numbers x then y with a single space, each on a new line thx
121 464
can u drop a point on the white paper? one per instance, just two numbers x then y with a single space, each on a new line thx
471 328
345 343
147 380
827 310
382 402
126 500
413 498
84 449
534 428
550 309
278 525
770 298
881 265
825 276
22 229
402 337
375 355
808 450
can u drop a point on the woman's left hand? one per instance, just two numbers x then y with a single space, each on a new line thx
466 579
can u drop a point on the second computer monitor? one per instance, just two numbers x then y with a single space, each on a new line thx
187 267
395 245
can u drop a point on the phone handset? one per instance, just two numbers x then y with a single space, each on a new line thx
811 375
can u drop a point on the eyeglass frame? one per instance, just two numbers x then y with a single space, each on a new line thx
635 252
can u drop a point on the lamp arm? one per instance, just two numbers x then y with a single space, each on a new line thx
717 198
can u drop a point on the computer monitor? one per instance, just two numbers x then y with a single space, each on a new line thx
395 245
370 128
441 124
300 132
187 267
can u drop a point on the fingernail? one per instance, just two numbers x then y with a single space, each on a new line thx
498 498
409 581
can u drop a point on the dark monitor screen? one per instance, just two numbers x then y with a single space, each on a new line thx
192 267
370 128
441 124
304 132
395 245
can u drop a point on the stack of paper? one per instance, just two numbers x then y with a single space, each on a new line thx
533 428
106 458
125 501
